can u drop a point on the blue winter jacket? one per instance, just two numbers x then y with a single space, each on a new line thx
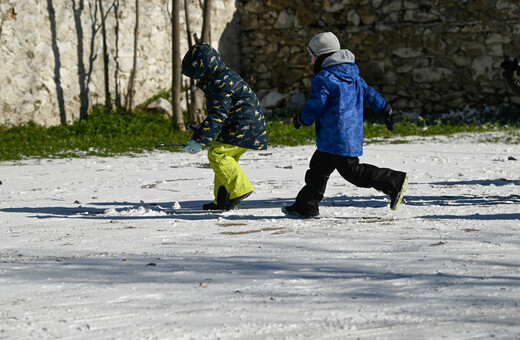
336 105
234 113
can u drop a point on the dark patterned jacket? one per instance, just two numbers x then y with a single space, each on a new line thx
234 113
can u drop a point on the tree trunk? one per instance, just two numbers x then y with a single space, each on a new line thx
206 22
117 69
198 95
130 94
195 106
82 72
108 101
177 118
57 62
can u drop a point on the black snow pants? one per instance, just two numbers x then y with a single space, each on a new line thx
362 175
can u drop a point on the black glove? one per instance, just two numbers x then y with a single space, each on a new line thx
509 65
391 116
297 121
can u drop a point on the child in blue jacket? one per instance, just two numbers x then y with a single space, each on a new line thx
335 106
235 123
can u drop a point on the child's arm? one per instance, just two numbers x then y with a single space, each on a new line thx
380 105
218 111
315 105
372 97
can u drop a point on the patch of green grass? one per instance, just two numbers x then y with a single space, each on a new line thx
282 132
100 135
406 128
129 133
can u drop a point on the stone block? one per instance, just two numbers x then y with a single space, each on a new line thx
161 105
295 101
498 38
434 43
407 52
368 16
481 68
279 5
431 75
284 20
420 17
353 17
392 6
273 100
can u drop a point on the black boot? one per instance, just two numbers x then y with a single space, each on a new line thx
294 211
211 206
222 200
232 204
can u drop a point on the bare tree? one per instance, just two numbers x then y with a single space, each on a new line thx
197 96
195 104
177 117
82 72
206 22
57 61
130 94
108 101
117 81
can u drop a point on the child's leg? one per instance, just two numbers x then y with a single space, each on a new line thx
220 193
223 159
320 168
369 176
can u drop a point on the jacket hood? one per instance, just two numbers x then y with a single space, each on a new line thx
342 64
340 57
201 61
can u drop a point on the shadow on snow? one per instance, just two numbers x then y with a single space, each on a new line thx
191 210
245 275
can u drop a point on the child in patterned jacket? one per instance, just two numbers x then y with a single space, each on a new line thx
235 123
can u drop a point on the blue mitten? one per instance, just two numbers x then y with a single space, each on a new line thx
192 147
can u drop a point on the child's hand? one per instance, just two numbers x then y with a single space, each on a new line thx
297 121
391 117
192 147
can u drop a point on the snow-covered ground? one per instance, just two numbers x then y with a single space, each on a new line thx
117 248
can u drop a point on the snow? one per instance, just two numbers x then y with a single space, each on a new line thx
118 248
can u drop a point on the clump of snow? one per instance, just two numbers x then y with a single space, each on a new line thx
140 210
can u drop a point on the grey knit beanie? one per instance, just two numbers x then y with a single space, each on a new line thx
323 43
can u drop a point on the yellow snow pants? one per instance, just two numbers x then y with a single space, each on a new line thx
223 159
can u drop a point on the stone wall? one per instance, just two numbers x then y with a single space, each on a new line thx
51 53
423 56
